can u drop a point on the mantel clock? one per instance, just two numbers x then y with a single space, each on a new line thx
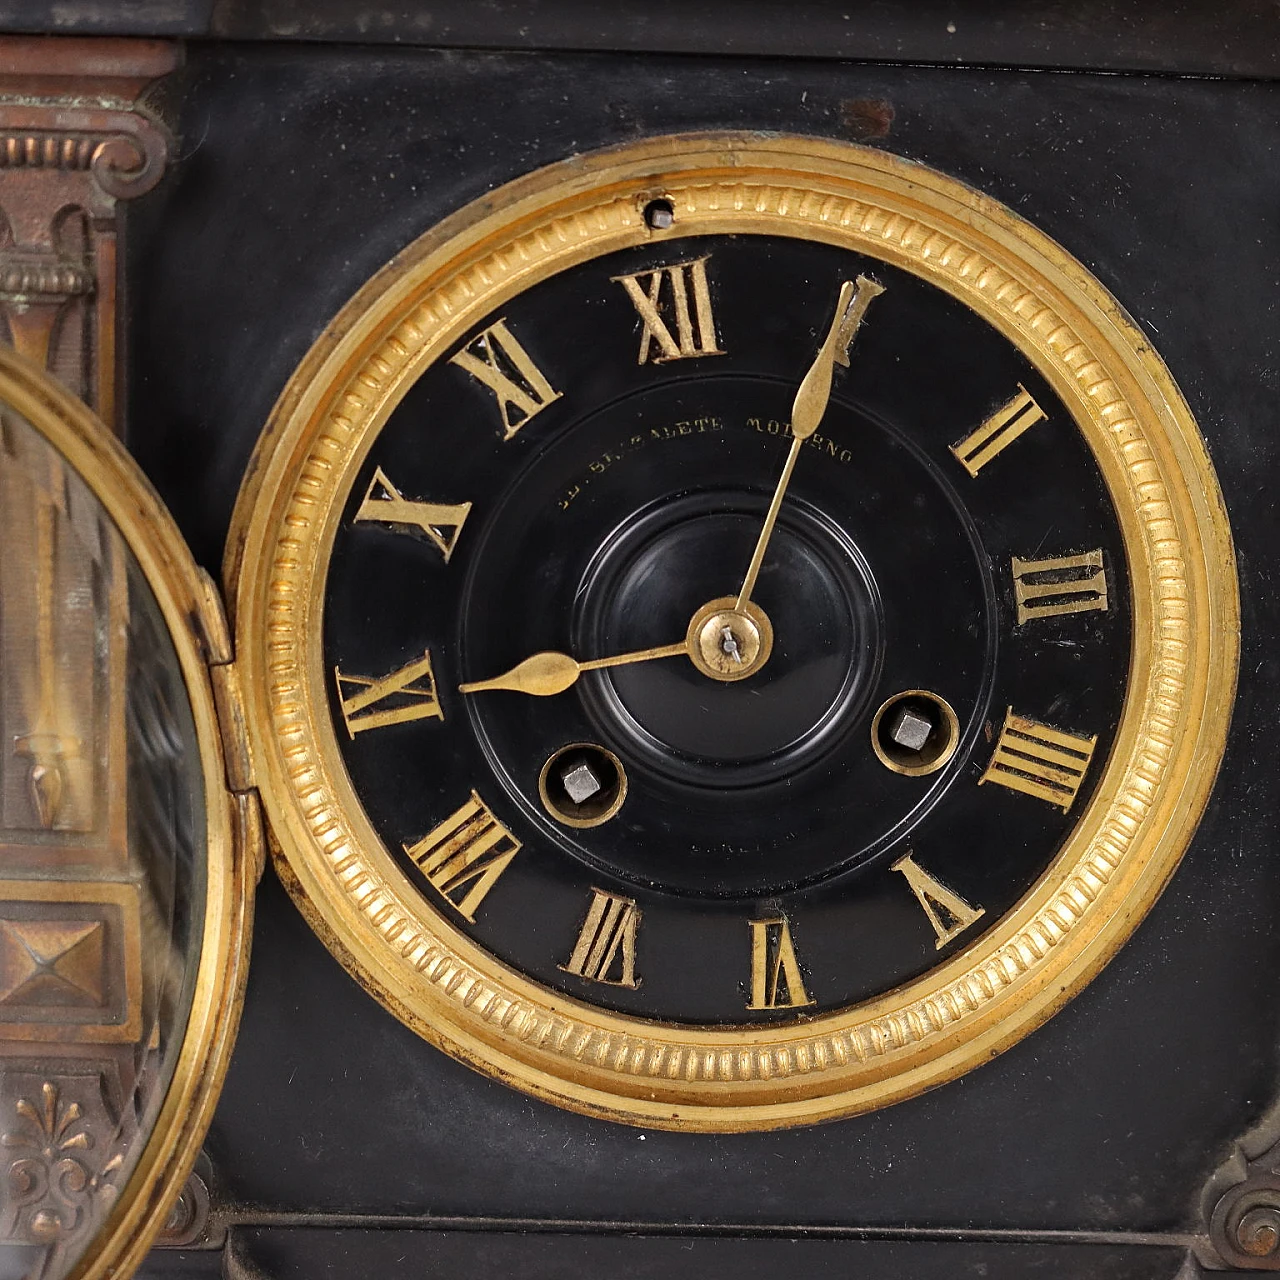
727 628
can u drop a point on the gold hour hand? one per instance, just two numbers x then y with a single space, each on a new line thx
548 673
810 405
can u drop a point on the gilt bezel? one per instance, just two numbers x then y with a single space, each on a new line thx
1126 841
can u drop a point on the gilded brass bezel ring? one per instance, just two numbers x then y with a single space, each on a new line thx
171 1147
1127 839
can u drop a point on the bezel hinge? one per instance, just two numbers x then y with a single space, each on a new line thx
228 697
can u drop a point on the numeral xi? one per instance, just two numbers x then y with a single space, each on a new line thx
497 360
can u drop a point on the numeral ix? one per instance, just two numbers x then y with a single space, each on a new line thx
410 694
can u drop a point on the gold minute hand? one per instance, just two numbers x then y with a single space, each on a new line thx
810 406
548 673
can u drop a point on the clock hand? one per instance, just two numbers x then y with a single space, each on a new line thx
548 673
810 406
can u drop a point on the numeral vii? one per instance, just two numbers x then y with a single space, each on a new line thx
999 431
383 504
775 973
464 856
1039 760
687 297
497 360
1064 584
949 914
410 694
606 946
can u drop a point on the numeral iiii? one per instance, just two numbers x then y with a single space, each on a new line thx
1064 584
688 298
497 360
775 973
464 856
410 694
606 946
998 432
383 504
1039 760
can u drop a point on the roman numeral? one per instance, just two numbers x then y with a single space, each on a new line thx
1040 760
949 914
464 856
1063 584
410 694
863 296
496 359
998 432
688 298
775 973
384 504
606 947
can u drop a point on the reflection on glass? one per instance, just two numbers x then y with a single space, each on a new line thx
102 858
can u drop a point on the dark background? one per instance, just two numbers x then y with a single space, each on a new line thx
301 168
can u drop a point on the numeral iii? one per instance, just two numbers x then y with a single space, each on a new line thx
1064 584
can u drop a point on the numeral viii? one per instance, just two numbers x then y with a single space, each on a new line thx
464 856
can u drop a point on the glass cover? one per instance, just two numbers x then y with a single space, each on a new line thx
102 859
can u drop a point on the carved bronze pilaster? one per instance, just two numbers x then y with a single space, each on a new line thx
73 142
83 928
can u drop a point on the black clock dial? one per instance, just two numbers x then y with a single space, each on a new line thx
589 468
